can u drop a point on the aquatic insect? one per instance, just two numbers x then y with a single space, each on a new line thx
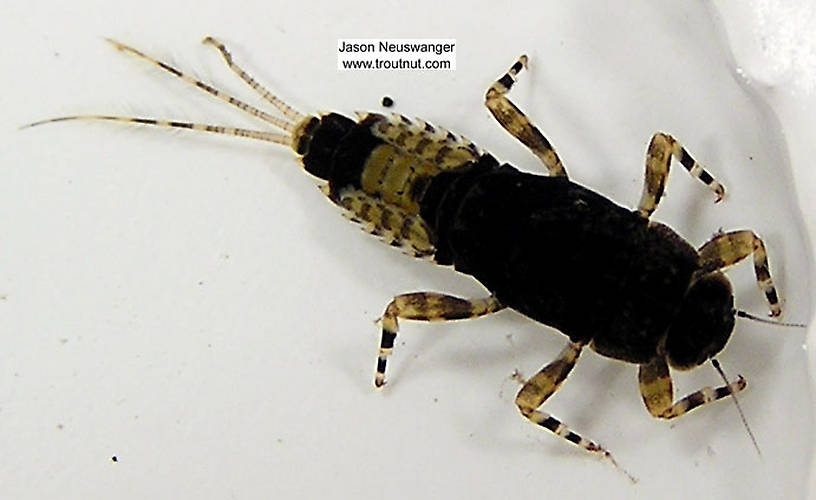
607 277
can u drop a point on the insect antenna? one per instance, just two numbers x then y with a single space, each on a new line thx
203 127
220 94
743 314
277 122
719 369
284 108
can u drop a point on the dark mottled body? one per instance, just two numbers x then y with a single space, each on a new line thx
559 253
544 246
570 258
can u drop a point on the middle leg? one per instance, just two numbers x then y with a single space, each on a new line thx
658 158
543 385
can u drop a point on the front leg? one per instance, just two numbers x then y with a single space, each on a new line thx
727 249
425 306
658 393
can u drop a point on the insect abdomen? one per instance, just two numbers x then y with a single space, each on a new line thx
388 172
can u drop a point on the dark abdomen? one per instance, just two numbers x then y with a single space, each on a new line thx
570 258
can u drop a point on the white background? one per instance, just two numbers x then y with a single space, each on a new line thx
193 306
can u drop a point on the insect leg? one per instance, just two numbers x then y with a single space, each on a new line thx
543 385
729 248
425 306
658 393
658 158
516 122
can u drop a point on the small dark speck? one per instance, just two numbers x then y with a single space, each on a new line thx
56 54
387 101
200 283
60 427
114 459
710 451
436 400
402 343
751 158
518 377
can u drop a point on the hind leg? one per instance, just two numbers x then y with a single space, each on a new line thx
425 306
516 122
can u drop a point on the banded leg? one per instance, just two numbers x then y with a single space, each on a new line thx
658 393
425 306
658 158
541 386
729 248
516 122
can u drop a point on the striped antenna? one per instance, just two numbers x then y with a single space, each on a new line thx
743 314
719 369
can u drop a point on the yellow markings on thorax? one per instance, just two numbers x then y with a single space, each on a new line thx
391 174
414 151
